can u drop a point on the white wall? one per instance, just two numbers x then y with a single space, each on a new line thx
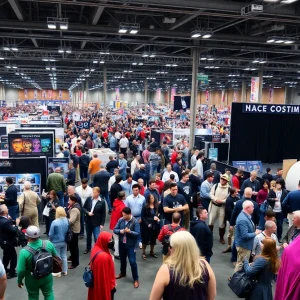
295 96
11 95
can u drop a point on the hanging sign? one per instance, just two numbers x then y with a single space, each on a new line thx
254 89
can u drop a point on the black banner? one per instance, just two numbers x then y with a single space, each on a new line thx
83 124
270 108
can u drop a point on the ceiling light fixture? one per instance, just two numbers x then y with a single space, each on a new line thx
54 23
131 28
195 34
280 40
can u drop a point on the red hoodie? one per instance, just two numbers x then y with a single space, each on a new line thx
116 213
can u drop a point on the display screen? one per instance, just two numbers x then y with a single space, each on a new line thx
58 162
30 144
19 179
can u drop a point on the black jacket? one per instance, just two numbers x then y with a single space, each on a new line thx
71 177
195 182
203 236
7 231
255 186
11 196
99 212
114 190
84 161
268 177
111 165
75 159
229 207
272 195
101 180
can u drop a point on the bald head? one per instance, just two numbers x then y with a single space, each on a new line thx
253 175
57 170
270 226
296 218
248 192
248 207
27 185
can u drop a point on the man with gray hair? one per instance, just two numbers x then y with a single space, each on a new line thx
57 183
294 230
213 169
28 201
244 233
269 232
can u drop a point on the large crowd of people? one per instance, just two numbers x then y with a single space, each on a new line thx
150 193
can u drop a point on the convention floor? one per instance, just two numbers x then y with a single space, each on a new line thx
72 287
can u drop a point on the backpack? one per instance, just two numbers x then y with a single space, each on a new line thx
20 239
42 261
88 276
166 241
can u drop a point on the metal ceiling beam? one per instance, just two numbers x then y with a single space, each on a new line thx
183 20
17 9
35 43
97 14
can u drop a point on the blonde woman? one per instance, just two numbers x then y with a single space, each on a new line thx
57 236
180 278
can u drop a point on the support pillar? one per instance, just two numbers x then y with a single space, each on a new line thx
87 91
194 93
104 92
169 97
260 75
244 92
146 95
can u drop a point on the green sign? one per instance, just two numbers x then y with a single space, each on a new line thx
202 78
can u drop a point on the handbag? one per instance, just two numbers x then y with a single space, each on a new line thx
69 234
56 264
88 277
241 284
265 206
46 211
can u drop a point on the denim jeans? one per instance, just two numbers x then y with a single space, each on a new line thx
91 230
13 211
139 238
262 221
279 222
61 199
61 249
129 252
106 197
153 169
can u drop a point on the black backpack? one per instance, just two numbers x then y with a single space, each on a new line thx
42 261
166 241
20 239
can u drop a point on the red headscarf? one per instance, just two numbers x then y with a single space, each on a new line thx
103 269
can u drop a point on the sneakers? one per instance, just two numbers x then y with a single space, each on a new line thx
56 274
64 274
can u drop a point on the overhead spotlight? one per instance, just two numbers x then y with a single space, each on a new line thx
207 36
1 58
61 50
280 40
152 54
140 63
51 25
104 52
69 50
5 48
174 65
196 34
95 61
145 54
8 67
134 63
86 70
45 59
63 25
47 68
133 31
122 30
14 48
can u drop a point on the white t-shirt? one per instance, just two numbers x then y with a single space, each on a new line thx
117 135
84 193
124 142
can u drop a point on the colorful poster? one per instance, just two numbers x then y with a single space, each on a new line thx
213 154
271 95
25 93
60 94
223 96
180 134
255 165
254 89
235 94
44 94
35 94
19 179
49 94
173 93
58 162
207 96
117 94
240 165
158 95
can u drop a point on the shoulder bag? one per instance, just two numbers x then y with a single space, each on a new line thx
241 284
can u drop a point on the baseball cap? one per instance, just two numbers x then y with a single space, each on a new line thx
33 232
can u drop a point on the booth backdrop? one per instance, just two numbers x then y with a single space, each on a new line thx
266 136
